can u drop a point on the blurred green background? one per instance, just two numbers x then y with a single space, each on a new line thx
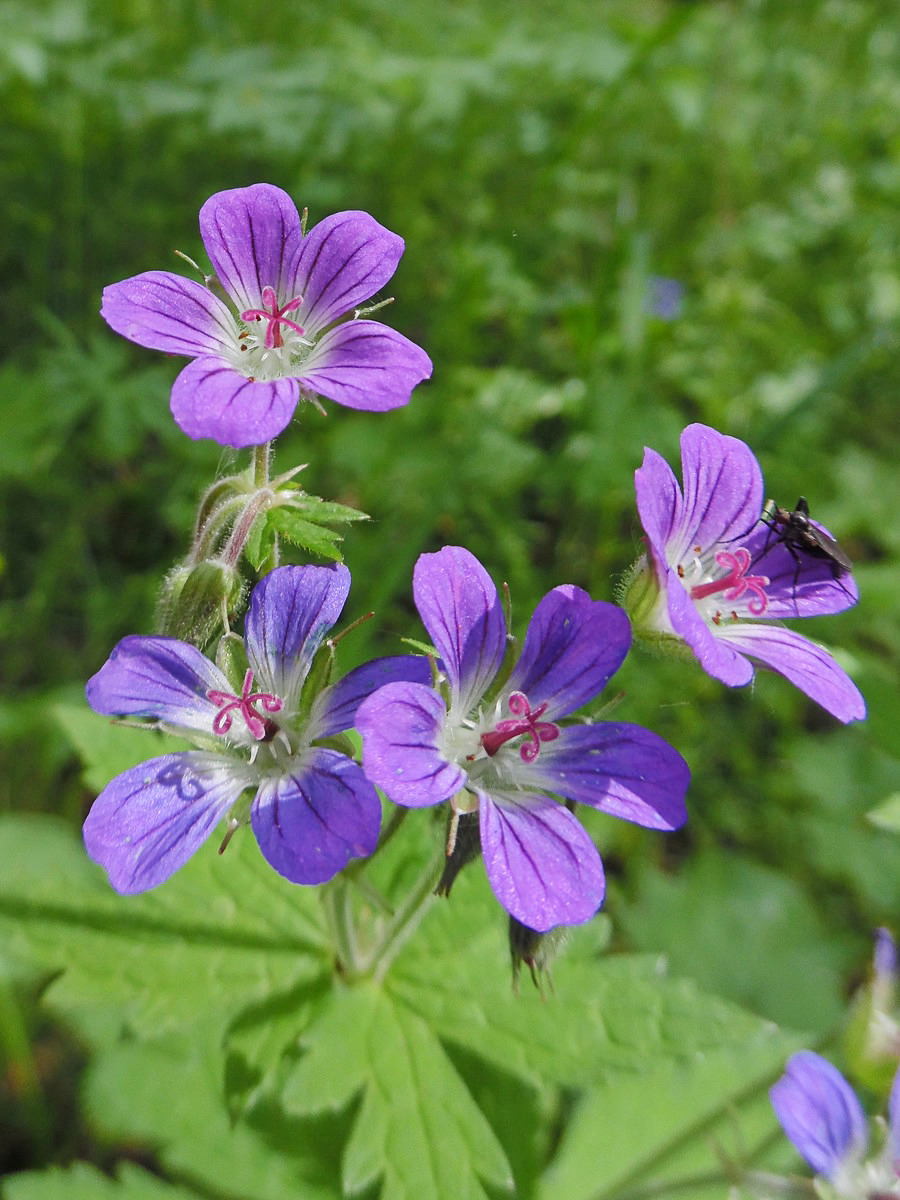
620 218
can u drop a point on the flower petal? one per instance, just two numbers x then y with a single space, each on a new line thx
148 821
715 656
819 1112
806 665
252 236
401 726
572 647
365 365
311 822
659 504
212 400
167 312
291 611
343 260
159 677
894 1122
621 769
800 584
460 608
542 865
723 491
335 707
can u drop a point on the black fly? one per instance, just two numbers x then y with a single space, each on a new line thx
795 531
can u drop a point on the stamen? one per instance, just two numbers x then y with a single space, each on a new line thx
275 316
524 721
226 702
736 582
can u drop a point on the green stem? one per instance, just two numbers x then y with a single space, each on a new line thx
260 465
339 916
405 920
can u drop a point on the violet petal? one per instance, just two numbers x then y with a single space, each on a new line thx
159 677
148 821
343 261
212 400
291 612
621 769
806 665
716 656
365 365
311 822
163 311
894 1123
804 586
573 645
819 1112
659 504
542 865
460 608
401 725
252 236
335 708
723 491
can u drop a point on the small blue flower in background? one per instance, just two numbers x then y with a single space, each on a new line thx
284 337
665 297
313 808
497 746
821 1114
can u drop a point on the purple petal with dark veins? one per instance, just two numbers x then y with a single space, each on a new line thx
894 1122
311 822
401 726
621 769
162 678
801 586
252 236
335 707
659 504
167 312
343 261
542 865
572 647
723 491
715 656
820 1113
212 400
806 665
292 609
460 608
148 822
365 365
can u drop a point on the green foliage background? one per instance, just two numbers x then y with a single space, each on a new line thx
543 171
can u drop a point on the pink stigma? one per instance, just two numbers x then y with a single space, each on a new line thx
523 721
226 702
275 316
736 582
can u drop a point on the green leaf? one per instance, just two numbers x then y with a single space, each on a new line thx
261 542
228 924
106 748
323 512
83 1182
167 1094
418 1127
304 533
887 814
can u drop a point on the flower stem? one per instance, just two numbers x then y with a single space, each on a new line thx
260 465
405 920
339 916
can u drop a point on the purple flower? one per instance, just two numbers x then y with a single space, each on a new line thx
252 366
665 297
313 808
497 743
717 579
821 1114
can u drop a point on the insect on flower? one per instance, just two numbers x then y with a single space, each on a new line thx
796 532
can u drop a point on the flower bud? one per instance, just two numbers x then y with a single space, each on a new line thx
464 845
196 602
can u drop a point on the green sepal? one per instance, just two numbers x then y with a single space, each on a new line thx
231 659
196 602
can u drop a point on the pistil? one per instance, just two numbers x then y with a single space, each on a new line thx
523 721
275 317
260 727
736 582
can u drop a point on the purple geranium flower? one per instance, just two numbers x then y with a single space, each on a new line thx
716 578
821 1114
313 807
252 365
498 745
